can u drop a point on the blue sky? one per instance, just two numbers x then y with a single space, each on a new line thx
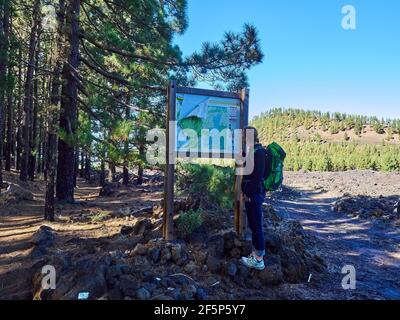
310 61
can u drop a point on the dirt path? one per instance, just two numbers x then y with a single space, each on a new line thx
19 222
372 248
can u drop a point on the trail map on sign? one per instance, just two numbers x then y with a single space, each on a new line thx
197 112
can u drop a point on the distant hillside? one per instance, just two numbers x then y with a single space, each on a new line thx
317 141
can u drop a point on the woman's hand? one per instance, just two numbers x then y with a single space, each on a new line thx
246 198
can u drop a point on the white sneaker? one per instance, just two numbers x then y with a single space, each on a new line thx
253 263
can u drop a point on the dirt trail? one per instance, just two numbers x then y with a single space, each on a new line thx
371 247
19 222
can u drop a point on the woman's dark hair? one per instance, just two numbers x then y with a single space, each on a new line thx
248 128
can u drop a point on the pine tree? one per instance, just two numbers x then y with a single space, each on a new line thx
54 113
28 98
4 43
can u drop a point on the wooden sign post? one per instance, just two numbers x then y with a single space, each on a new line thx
169 177
240 220
172 152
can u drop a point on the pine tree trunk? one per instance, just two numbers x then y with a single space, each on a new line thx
126 150
9 151
4 33
76 162
140 169
102 173
51 149
10 111
82 169
35 101
44 151
69 103
38 168
28 94
42 129
19 116
19 148
41 138
51 168
125 176
87 167
8 140
111 167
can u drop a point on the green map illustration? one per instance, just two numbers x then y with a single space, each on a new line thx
203 112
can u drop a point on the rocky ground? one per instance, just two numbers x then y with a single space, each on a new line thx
109 244
356 182
354 218
364 194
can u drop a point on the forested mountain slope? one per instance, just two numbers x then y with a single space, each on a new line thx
317 141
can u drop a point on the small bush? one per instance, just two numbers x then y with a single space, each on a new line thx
99 217
212 184
189 221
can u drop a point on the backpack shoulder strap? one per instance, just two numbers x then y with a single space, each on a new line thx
259 147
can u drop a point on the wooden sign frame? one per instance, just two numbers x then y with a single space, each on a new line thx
240 221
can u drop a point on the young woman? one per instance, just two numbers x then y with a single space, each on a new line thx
254 195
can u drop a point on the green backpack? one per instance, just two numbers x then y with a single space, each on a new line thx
273 176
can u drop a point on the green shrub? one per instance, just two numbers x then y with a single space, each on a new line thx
212 184
389 162
188 222
99 217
